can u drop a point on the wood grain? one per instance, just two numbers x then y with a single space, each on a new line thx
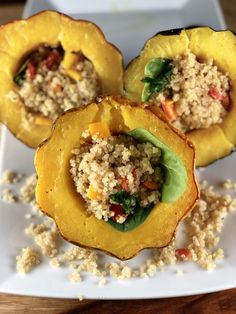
220 302
229 10
10 12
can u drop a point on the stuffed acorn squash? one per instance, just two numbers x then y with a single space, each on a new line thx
191 76
115 177
50 63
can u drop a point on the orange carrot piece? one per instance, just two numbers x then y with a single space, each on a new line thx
93 195
100 129
168 106
151 185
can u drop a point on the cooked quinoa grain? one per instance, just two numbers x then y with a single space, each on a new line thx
228 184
8 196
199 93
179 272
27 191
104 167
80 297
10 177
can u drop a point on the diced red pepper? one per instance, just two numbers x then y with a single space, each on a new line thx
117 209
52 59
215 93
31 70
124 182
185 254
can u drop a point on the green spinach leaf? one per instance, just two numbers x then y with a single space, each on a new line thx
19 77
126 200
158 73
175 180
139 215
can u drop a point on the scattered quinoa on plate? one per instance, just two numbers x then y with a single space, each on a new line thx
203 230
28 259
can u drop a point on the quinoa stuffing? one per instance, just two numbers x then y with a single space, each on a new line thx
193 93
51 81
115 175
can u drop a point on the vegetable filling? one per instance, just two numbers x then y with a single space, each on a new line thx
192 93
117 176
122 177
51 81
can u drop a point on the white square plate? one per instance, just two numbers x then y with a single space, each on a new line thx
127 24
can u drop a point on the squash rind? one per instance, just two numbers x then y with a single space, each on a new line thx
204 42
56 195
18 38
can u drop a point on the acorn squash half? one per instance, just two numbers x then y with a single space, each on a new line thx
218 140
57 197
19 38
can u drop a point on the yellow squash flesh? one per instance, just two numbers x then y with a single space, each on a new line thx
218 140
19 38
57 196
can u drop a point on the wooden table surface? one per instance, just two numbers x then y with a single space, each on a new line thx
220 302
